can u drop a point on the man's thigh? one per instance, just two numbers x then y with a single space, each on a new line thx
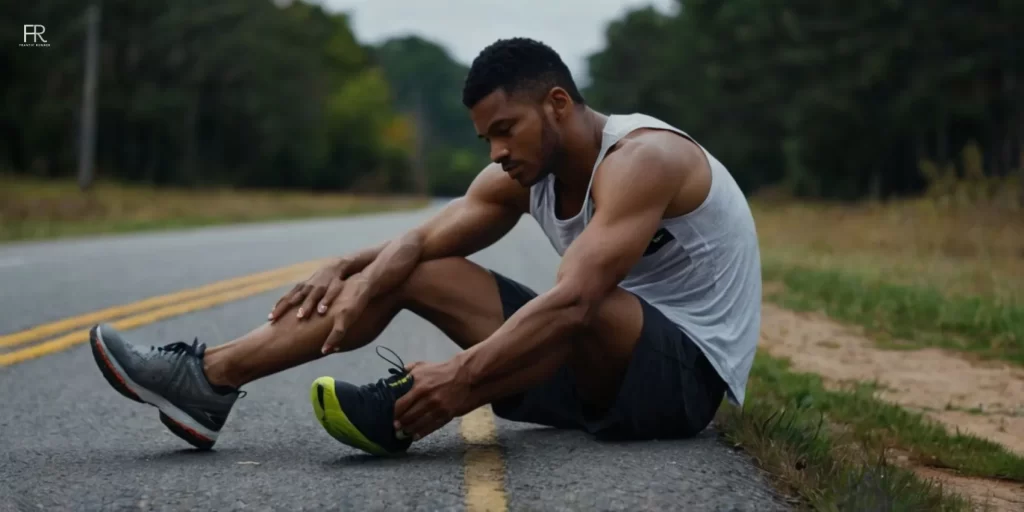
457 296
637 375
669 389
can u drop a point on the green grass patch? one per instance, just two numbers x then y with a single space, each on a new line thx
37 209
830 447
917 316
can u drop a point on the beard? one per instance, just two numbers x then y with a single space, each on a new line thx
553 154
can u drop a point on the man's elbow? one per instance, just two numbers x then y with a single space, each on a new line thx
582 304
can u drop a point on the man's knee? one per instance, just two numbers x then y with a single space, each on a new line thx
600 356
616 326
431 276
456 295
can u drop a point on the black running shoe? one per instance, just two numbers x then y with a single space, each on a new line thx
363 417
170 378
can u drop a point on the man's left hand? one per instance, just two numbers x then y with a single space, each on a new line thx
439 394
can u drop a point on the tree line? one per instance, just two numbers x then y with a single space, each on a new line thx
250 94
829 99
832 98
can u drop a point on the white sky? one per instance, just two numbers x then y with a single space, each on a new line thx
574 28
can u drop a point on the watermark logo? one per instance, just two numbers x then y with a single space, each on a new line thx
33 36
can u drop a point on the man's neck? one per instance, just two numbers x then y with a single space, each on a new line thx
582 148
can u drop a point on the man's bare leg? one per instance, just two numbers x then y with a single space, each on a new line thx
193 389
461 299
457 296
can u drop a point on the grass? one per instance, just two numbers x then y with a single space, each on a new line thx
833 448
960 251
36 209
909 271
916 273
906 316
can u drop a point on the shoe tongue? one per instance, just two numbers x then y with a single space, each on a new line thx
399 382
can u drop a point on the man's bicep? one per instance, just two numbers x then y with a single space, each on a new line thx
609 247
631 202
488 211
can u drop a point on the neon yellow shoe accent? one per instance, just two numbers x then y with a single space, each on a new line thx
334 420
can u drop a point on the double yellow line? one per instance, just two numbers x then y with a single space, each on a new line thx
132 315
484 463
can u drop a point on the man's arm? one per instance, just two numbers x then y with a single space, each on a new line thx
490 208
635 186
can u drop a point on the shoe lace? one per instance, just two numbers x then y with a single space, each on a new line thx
180 347
400 365
194 349
380 387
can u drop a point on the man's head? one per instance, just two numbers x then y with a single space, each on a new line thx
521 96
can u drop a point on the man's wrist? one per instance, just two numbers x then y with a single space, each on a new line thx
464 369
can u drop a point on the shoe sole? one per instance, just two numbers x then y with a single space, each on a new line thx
329 413
180 423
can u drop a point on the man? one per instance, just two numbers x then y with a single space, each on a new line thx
653 317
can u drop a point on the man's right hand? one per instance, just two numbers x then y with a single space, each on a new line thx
318 291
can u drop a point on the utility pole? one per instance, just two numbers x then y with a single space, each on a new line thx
87 133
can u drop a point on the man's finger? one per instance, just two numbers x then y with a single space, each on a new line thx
314 295
416 425
284 303
415 411
297 297
332 341
333 290
407 400
429 424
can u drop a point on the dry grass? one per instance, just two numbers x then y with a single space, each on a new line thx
960 250
939 271
828 448
930 272
31 209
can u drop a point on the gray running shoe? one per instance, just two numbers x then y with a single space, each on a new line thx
170 378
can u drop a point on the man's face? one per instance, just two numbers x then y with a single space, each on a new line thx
523 137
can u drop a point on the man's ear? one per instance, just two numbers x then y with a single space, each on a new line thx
560 102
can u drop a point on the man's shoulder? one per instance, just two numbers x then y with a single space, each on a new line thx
646 160
650 154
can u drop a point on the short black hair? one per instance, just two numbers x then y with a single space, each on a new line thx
515 65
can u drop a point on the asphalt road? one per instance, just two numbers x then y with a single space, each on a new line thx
70 442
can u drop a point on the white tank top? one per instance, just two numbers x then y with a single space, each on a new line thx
702 270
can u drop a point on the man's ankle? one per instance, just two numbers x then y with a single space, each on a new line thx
216 367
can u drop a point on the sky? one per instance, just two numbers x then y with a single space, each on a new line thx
574 28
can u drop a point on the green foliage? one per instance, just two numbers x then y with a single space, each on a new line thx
918 316
832 448
428 89
876 424
833 99
237 92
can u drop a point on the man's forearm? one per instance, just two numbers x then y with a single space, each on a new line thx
534 331
392 265
356 262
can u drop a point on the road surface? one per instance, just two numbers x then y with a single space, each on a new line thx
70 442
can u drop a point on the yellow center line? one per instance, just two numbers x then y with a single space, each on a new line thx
149 317
485 467
88 319
484 463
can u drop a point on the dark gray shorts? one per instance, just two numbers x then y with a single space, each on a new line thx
670 390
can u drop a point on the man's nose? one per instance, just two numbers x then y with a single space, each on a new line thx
498 153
